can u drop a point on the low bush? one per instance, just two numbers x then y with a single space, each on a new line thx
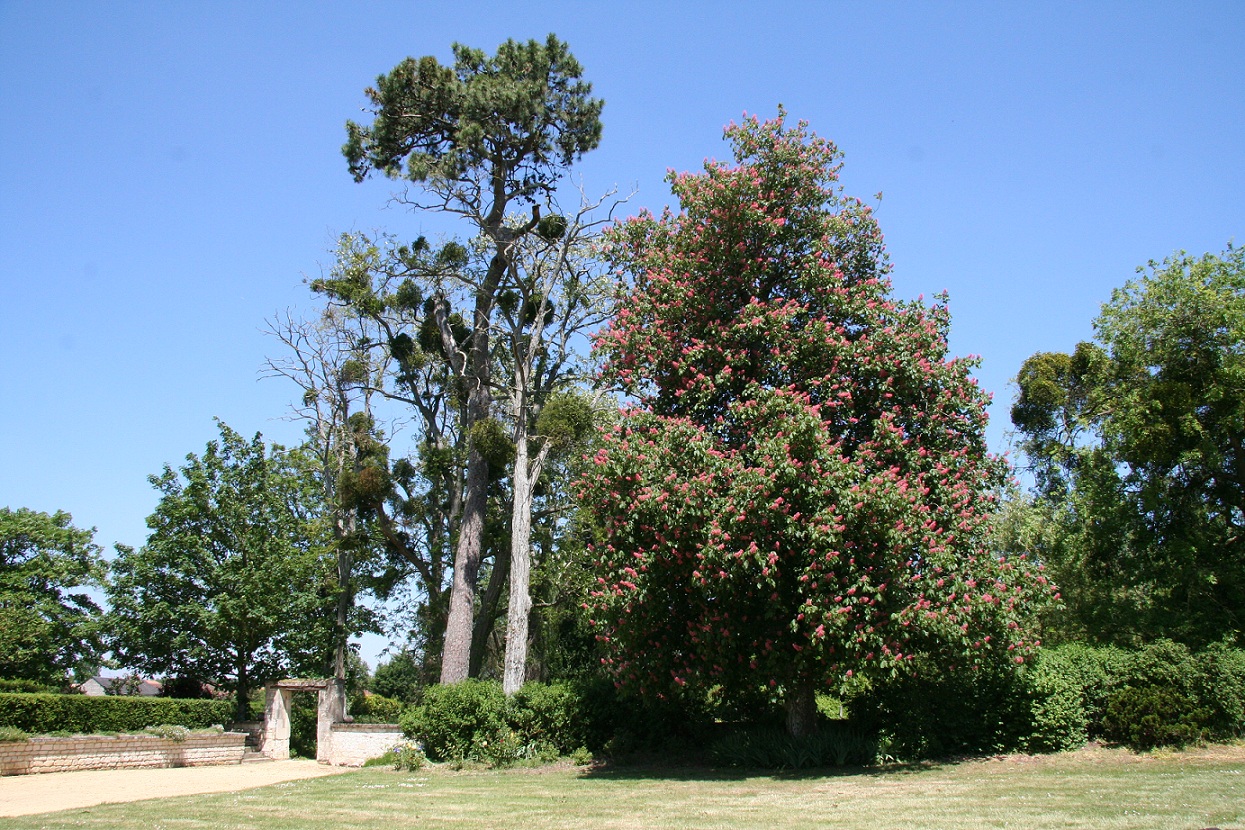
83 714
372 708
458 721
1160 695
473 721
941 714
9 734
1147 717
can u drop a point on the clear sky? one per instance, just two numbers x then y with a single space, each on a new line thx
171 172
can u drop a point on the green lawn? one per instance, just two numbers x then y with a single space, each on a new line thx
1093 788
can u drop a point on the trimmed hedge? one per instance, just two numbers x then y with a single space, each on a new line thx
1160 695
83 714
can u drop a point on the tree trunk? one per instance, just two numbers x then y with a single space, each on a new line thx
243 712
456 655
801 705
345 596
487 617
519 613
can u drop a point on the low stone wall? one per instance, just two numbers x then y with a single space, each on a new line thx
46 754
355 743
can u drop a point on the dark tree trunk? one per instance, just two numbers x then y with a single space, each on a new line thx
456 655
801 705
486 620
243 712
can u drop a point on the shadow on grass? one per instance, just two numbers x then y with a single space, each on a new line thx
649 769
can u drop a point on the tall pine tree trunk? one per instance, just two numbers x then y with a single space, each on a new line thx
475 377
456 654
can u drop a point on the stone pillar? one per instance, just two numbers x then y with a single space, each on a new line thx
330 709
276 743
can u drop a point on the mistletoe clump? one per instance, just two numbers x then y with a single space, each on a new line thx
801 489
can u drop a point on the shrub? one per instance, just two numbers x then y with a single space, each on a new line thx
457 721
372 708
409 756
45 713
1057 712
548 717
941 714
1160 695
12 733
1153 716
170 732
1221 688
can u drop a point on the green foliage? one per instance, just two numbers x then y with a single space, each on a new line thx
408 756
937 714
187 688
44 713
48 629
28 686
169 731
10 734
1152 716
549 716
473 721
565 418
551 228
458 720
232 585
1160 695
304 725
400 677
1135 443
1058 712
1221 688
494 443
439 123
374 708
832 745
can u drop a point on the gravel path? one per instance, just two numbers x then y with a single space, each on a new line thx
22 795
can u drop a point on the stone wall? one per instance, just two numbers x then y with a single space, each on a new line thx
355 743
46 754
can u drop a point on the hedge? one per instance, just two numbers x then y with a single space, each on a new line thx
1162 694
83 714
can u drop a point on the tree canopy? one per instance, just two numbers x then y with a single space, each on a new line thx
1137 444
49 627
234 584
801 489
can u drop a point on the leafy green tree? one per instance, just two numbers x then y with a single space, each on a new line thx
801 492
1137 442
234 585
481 138
48 630
400 677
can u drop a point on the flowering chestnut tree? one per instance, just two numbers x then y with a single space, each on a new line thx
801 489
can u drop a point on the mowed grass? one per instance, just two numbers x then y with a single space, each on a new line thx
1095 788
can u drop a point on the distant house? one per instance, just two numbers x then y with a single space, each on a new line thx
129 685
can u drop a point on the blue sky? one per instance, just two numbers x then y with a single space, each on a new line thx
170 173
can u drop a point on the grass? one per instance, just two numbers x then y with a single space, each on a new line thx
1095 788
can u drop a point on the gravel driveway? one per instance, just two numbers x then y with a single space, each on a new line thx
22 795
